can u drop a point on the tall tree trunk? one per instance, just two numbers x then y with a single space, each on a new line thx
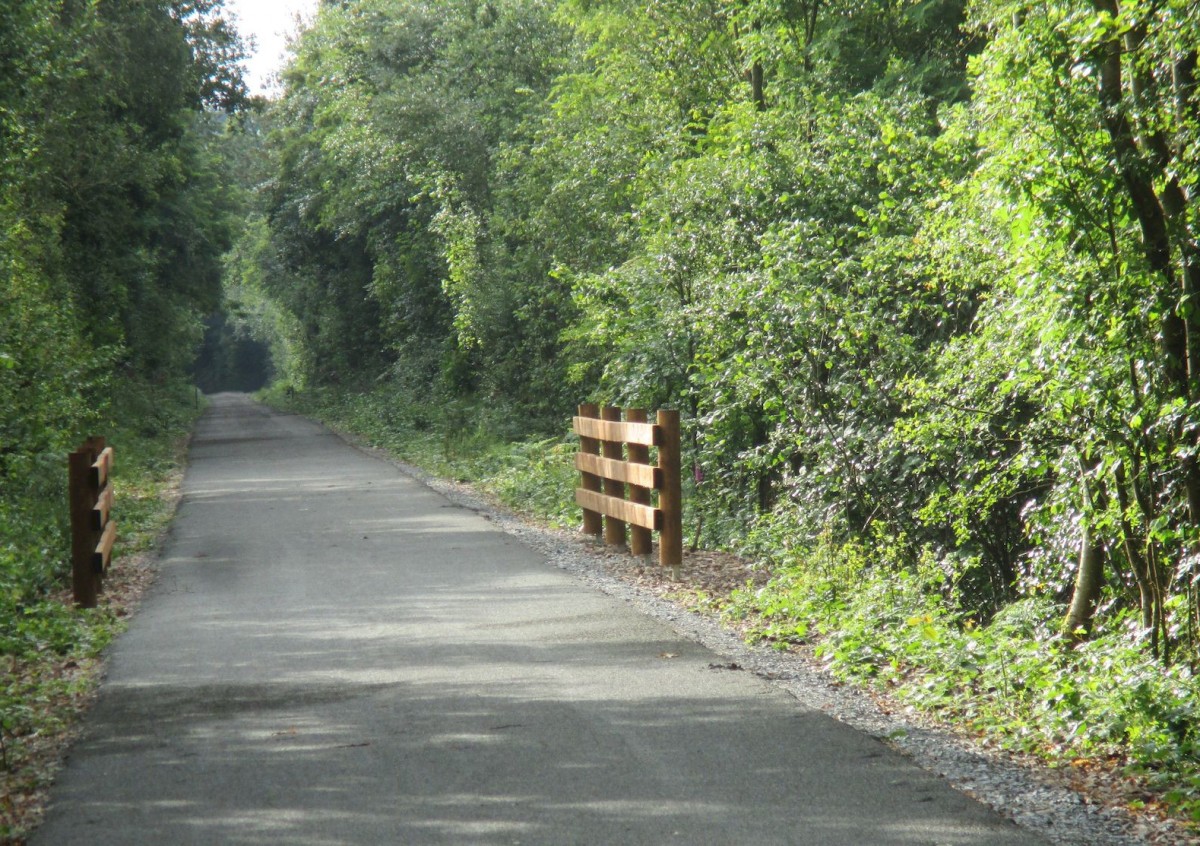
1088 582
1162 215
1089 578
757 94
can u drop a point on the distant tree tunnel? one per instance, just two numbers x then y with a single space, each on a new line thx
230 360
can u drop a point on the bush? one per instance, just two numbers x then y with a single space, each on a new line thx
44 639
1014 678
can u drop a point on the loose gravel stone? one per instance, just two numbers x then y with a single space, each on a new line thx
1027 791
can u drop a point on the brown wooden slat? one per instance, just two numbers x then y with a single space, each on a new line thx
616 432
104 506
644 475
616 531
103 553
628 512
101 468
593 522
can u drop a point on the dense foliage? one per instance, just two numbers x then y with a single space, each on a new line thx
919 270
114 217
115 214
920 275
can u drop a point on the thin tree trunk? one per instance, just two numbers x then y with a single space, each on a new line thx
1089 578
1162 216
1138 562
1088 582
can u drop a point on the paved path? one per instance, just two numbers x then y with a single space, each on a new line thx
334 654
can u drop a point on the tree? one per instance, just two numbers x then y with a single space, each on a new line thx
1082 137
113 217
394 172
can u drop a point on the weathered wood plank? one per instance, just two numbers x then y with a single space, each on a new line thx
640 540
614 527
104 506
643 475
619 509
593 522
644 434
103 553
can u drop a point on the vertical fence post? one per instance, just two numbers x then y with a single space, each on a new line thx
670 497
84 582
614 529
639 537
592 521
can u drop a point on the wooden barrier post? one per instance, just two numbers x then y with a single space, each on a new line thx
670 496
606 475
93 531
592 520
640 538
84 584
614 528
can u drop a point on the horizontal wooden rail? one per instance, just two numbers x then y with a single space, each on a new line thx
617 432
102 510
620 509
617 479
644 475
101 467
102 555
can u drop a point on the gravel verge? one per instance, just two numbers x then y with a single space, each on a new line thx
1066 807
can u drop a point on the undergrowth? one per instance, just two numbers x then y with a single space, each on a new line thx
1014 679
47 646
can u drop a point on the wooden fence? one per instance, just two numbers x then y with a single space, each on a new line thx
618 481
93 531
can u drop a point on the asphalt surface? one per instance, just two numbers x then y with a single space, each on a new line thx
335 654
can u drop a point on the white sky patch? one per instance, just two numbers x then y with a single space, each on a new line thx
270 22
